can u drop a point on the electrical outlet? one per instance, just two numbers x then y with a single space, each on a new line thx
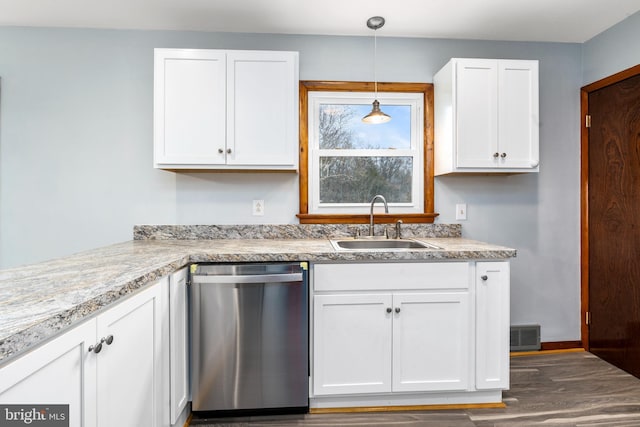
461 211
258 208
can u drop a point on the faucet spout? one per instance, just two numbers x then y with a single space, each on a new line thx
386 210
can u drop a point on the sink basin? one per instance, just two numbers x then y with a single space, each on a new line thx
386 244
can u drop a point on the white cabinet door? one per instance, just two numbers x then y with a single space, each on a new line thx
225 109
189 107
431 335
262 124
477 112
178 343
61 372
486 116
352 344
492 325
130 370
518 119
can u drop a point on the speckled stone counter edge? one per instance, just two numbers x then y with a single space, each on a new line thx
285 231
32 336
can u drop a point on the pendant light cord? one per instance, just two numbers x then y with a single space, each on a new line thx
375 62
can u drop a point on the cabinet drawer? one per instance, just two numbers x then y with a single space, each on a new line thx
385 276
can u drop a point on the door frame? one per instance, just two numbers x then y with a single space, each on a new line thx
584 192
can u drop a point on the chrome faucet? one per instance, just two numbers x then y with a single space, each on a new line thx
399 229
386 210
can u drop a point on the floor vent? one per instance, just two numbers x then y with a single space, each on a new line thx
525 338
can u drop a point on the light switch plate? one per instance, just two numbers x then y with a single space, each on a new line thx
461 212
258 208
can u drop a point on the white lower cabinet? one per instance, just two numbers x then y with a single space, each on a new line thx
375 343
492 325
352 344
130 370
431 341
409 333
60 372
118 381
178 344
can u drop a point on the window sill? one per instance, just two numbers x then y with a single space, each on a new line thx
379 218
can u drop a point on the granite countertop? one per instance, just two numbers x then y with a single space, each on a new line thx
39 301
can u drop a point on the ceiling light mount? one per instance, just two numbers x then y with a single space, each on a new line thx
375 22
376 115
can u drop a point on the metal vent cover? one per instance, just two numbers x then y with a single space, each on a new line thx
525 337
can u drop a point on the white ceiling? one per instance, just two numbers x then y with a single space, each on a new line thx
518 20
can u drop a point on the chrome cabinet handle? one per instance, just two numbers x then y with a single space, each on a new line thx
397 309
495 155
228 150
97 348
220 150
484 277
503 155
388 309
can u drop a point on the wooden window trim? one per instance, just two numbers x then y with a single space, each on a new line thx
334 86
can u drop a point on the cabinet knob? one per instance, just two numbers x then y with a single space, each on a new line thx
495 155
220 150
397 309
388 309
228 150
485 277
108 340
95 348
503 155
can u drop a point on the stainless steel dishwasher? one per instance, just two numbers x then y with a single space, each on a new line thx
249 326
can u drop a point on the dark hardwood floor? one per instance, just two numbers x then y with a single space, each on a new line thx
551 390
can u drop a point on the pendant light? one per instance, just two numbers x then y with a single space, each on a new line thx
376 115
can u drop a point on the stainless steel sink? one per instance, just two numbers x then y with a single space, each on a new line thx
384 244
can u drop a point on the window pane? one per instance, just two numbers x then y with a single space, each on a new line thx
358 179
341 127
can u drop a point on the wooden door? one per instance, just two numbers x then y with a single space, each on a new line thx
614 223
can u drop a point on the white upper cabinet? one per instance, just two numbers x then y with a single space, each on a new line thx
486 116
225 109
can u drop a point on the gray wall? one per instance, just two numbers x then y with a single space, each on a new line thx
611 51
76 152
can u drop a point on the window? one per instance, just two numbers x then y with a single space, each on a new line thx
344 162
350 161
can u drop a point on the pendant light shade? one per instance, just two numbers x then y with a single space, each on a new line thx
376 115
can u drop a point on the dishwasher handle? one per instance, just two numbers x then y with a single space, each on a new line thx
250 278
